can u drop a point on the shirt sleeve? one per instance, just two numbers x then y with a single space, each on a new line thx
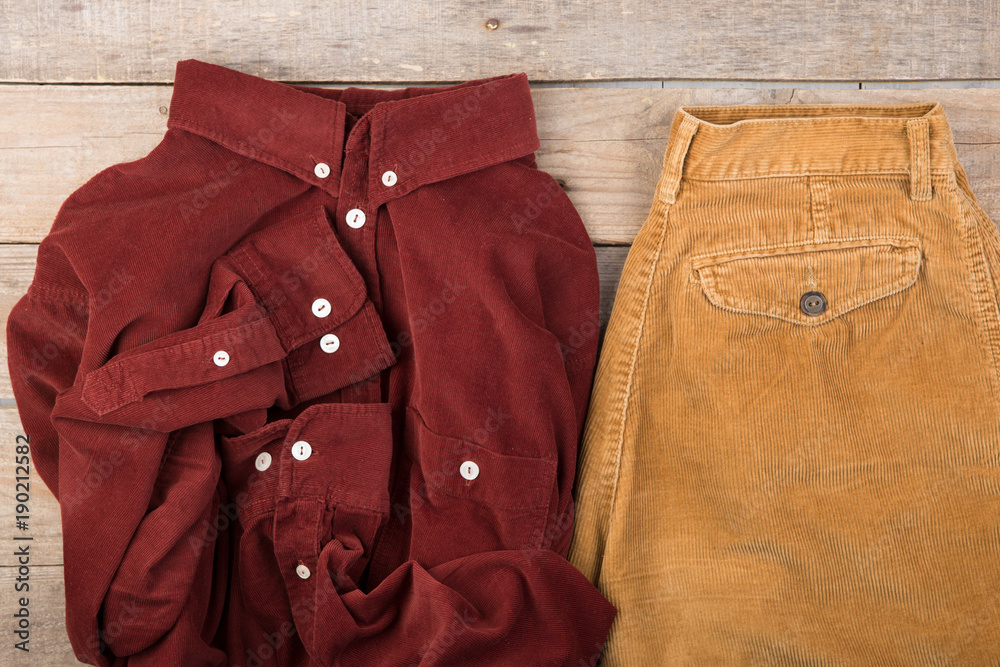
118 401
285 298
124 522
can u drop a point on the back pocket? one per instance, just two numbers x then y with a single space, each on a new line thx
467 499
773 281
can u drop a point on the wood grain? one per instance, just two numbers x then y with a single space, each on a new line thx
102 41
606 144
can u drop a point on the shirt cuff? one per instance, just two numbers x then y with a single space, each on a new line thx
303 327
347 354
317 302
301 275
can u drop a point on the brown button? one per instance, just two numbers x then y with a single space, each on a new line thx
812 303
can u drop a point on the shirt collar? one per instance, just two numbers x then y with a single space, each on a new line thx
422 134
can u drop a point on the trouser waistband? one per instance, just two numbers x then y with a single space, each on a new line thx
743 142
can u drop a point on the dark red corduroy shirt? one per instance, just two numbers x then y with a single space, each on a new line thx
308 382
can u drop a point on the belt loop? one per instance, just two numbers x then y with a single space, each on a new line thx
919 132
673 162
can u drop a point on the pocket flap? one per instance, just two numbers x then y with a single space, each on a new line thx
771 281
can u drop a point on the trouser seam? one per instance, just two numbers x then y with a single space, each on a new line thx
633 361
979 284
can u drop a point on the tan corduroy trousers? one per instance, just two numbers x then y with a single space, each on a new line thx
793 449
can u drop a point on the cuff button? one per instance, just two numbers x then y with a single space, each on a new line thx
301 450
329 343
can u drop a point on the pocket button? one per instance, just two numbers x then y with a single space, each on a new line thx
469 470
812 303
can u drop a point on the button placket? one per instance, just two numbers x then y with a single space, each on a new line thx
297 561
298 513
356 221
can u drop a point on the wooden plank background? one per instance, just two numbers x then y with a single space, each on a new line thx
316 40
81 88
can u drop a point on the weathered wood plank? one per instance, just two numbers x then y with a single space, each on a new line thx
449 40
48 643
55 138
605 144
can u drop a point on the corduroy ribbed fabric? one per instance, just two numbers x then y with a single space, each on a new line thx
308 382
772 478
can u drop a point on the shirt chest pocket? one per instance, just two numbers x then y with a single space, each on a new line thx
467 499
812 283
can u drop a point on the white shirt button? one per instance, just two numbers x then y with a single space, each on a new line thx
302 450
356 218
322 170
263 461
389 179
302 571
221 358
329 343
321 308
469 470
